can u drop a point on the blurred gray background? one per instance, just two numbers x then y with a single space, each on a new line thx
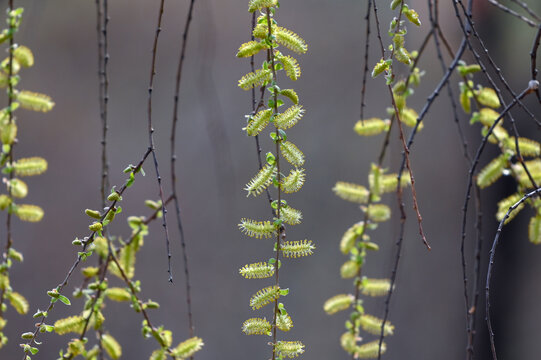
216 160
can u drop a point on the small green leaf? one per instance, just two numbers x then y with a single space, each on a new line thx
64 299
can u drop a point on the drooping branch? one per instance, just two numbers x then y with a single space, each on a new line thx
173 168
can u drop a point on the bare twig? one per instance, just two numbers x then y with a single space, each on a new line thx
173 169
151 137
491 266
366 53
513 12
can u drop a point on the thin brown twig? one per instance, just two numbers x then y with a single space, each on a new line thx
366 53
527 9
533 59
491 263
513 12
173 168
104 98
151 135
402 137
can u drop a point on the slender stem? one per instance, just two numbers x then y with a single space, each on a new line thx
280 236
491 266
133 292
104 98
173 168
151 135
366 53
513 13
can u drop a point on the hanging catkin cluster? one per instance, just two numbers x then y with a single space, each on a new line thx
14 169
279 116
513 150
356 242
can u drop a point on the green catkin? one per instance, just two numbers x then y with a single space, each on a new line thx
338 303
5 201
295 249
370 350
260 4
375 287
488 97
35 101
465 101
349 269
290 216
402 55
505 204
534 166
348 342
534 230
378 212
291 153
350 236
258 270
259 78
90 271
15 255
257 229
372 126
30 213
256 326
380 68
289 349
17 188
264 297
76 347
111 346
388 182
351 192
289 118
290 40
118 294
30 166
24 56
8 133
291 66
261 30
250 48
158 355
499 135
293 182
488 116
188 347
412 16
262 180
491 172
526 146
73 324
291 95
372 325
4 283
19 302
409 118
258 122
284 322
